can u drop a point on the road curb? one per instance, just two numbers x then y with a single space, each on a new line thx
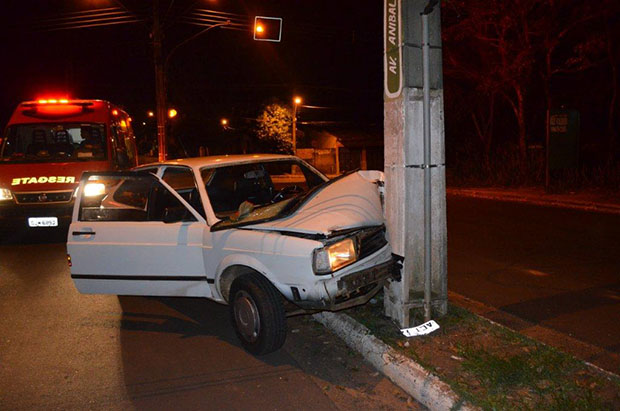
550 202
416 381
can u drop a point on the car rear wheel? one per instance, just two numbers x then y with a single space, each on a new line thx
257 314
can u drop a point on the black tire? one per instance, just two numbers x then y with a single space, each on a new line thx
257 314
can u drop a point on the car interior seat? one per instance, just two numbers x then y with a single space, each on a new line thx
255 190
221 191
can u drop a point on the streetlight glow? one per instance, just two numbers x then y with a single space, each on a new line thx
224 122
172 113
260 28
297 100
151 114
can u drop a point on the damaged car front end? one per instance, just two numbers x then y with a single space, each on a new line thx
354 259
350 268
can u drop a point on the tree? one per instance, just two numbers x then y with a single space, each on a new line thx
503 45
477 87
497 53
274 127
611 18
569 41
520 56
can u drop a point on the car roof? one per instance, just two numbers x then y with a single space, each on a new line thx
228 159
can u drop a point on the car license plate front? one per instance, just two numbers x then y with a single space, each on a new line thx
371 275
43 221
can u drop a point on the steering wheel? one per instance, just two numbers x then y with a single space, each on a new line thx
285 191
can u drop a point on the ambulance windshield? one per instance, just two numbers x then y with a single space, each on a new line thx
54 142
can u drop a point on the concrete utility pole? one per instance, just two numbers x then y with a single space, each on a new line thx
406 162
160 83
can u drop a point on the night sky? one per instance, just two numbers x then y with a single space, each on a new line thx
330 54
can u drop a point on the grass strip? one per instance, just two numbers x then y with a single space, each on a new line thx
494 367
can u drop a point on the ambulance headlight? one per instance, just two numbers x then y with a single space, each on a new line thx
5 194
334 257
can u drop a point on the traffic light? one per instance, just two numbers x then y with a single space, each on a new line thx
267 28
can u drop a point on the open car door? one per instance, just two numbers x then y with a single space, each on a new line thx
131 234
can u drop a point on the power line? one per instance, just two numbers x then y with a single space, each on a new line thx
78 14
229 27
86 19
189 19
230 16
205 17
93 23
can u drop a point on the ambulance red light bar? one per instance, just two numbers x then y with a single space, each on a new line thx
56 108
53 101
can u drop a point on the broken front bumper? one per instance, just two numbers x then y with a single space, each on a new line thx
358 287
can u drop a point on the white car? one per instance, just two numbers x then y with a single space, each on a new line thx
244 230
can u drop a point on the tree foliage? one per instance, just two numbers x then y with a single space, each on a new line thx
274 127
506 54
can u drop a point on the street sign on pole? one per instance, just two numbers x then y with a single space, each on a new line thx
392 59
563 142
562 145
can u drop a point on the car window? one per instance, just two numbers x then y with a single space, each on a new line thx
256 185
128 198
181 179
151 169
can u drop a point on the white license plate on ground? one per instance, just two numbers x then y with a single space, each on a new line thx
43 221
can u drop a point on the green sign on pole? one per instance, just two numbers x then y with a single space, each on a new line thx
563 144
392 63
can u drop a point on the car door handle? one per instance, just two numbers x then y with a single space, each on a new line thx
83 233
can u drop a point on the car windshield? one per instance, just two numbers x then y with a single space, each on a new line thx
54 142
249 193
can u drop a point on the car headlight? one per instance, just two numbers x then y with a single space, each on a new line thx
94 189
5 194
334 257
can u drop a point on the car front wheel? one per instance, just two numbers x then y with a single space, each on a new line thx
257 314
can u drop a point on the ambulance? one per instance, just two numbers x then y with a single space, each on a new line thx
46 146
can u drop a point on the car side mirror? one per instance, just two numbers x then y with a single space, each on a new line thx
175 214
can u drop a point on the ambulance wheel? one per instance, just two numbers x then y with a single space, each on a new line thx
257 314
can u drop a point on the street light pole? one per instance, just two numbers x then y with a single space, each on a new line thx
296 102
161 66
160 83
294 128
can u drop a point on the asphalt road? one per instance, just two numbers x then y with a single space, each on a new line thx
546 268
63 350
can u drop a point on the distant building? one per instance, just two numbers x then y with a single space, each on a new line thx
337 149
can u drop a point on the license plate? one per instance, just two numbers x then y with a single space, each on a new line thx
43 222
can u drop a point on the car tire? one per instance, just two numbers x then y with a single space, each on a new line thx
257 314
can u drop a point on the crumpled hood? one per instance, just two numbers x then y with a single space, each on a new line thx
349 202
21 177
